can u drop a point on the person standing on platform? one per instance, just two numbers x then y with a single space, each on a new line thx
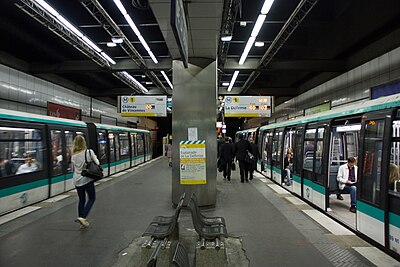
227 154
347 178
169 153
241 148
84 185
253 150
220 142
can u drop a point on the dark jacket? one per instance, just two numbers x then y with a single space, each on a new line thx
254 150
227 151
241 148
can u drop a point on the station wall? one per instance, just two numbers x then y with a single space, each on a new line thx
23 92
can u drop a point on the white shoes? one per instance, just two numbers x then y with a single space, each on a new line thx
84 222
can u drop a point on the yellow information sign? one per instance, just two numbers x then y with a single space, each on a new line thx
192 162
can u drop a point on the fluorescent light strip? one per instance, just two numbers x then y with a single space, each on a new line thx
266 6
246 51
135 29
235 74
109 59
258 25
166 78
120 6
135 81
72 28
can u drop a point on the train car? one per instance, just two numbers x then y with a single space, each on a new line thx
320 143
35 157
35 154
119 148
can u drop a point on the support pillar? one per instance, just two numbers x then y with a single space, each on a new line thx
194 106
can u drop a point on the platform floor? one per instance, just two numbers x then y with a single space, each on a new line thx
276 228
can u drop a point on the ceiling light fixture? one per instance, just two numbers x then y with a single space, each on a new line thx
259 44
266 6
135 29
117 40
235 74
246 51
257 26
166 78
226 38
111 44
225 84
135 81
73 29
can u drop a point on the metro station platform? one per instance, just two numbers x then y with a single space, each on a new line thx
275 227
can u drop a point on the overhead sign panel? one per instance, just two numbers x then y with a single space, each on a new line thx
247 106
178 24
143 106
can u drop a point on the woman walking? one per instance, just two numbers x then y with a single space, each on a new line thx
84 185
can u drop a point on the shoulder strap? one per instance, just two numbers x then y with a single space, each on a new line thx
85 156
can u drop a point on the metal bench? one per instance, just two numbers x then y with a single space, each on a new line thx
205 219
166 227
180 258
152 262
169 219
205 231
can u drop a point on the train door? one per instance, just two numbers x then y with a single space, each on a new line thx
373 172
266 152
288 145
147 147
314 164
277 155
103 151
113 152
140 147
297 160
60 163
133 149
344 140
124 150
393 210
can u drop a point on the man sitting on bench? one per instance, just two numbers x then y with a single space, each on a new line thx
347 178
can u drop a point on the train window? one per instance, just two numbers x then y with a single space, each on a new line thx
133 143
394 175
69 138
321 133
102 146
140 144
308 163
112 146
318 157
117 146
372 167
297 151
56 152
124 144
310 134
21 151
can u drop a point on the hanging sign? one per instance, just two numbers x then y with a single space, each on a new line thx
143 106
192 162
248 106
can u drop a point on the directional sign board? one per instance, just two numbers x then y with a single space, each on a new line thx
247 106
147 106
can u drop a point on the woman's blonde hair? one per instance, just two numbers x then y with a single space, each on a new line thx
394 173
79 144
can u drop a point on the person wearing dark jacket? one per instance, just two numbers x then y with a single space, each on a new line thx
241 148
253 150
227 154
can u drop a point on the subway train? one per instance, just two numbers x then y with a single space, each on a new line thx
320 143
35 154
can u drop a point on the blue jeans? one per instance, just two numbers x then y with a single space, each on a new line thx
83 207
352 189
287 176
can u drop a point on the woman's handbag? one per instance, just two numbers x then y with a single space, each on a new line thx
92 170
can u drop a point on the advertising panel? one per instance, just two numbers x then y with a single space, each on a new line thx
60 111
192 162
143 106
247 106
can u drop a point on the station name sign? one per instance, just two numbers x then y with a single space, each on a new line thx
143 106
247 106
